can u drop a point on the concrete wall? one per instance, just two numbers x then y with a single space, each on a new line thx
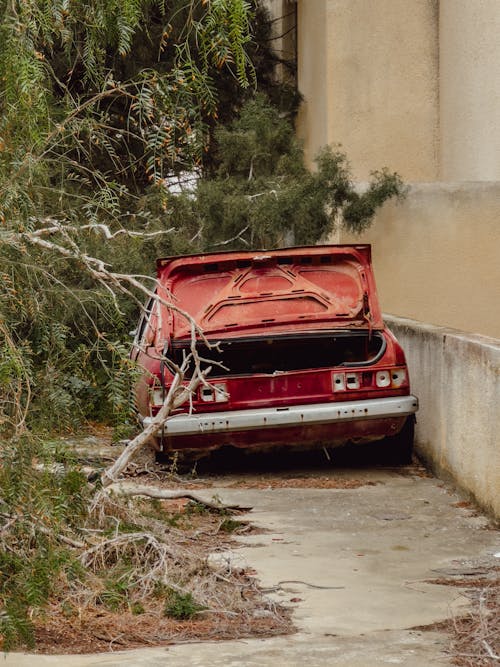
414 85
456 377
313 76
469 63
369 76
408 84
436 255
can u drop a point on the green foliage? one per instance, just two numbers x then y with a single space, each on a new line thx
263 196
360 209
54 343
36 506
101 104
194 508
116 593
15 627
229 525
45 527
181 606
101 101
110 96
98 103
137 608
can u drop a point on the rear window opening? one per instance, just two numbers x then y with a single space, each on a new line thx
269 355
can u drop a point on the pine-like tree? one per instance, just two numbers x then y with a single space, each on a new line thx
262 195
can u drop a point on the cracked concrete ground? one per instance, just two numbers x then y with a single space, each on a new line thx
380 544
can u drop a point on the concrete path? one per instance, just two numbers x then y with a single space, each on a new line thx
380 544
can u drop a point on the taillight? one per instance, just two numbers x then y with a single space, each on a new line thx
338 382
398 377
346 381
352 380
383 379
392 377
214 393
156 396
206 394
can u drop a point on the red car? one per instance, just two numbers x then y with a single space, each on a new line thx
306 357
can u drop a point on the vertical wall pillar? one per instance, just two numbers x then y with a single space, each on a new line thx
469 54
313 78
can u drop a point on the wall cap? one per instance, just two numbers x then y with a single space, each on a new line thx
436 330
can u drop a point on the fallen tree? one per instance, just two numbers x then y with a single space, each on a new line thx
99 103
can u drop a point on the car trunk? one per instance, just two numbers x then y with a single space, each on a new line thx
279 354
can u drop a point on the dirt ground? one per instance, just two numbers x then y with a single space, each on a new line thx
473 635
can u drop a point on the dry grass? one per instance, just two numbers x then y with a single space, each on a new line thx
280 482
100 630
475 636
157 559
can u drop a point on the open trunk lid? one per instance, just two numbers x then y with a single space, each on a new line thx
235 294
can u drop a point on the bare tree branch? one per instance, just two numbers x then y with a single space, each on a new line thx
132 489
115 283
58 227
234 238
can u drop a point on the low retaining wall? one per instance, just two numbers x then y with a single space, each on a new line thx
456 377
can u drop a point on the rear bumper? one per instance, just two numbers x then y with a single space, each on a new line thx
319 414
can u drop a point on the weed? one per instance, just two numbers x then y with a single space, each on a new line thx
181 606
174 520
115 594
195 508
230 525
137 608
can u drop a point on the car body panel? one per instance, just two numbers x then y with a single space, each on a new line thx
293 289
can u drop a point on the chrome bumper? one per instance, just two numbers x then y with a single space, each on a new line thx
296 415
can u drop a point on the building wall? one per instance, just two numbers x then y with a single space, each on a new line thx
469 62
312 70
368 73
413 85
436 255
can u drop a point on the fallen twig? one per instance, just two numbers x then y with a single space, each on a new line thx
298 581
132 489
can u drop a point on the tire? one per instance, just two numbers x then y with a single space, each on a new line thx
398 449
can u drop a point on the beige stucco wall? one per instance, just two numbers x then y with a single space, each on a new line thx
469 61
312 72
436 255
369 76
456 377
413 85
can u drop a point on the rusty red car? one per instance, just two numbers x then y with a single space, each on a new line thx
303 356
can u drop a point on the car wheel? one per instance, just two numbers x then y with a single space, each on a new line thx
398 449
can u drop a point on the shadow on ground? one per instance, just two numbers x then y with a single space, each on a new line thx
285 460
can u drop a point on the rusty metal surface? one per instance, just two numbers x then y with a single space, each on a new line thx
295 289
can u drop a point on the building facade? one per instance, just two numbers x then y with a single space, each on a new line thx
414 86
